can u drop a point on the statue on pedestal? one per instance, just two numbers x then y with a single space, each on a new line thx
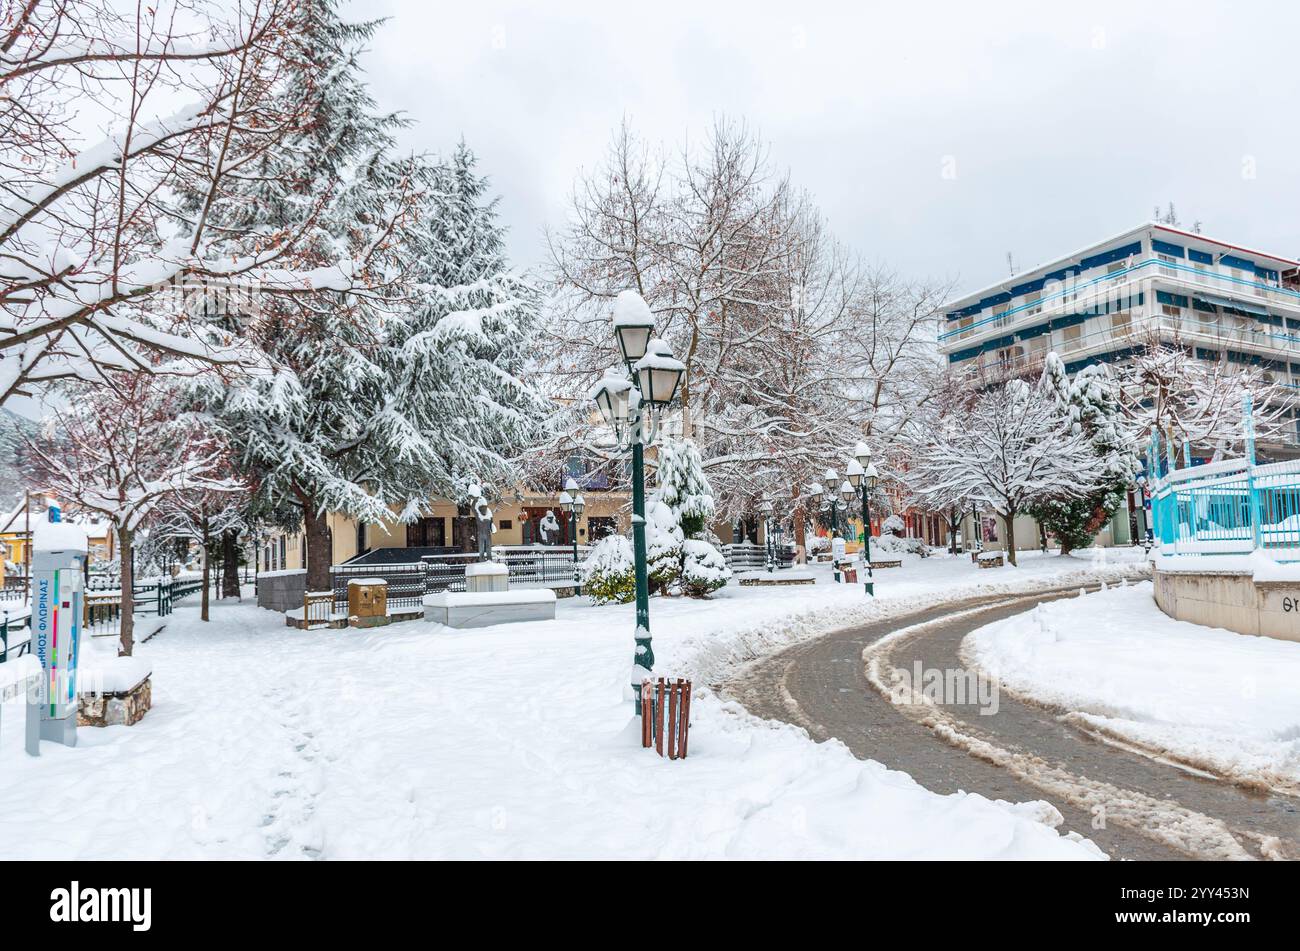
548 528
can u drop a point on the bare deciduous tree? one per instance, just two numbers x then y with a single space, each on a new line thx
122 451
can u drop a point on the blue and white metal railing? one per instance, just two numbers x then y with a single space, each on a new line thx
1232 507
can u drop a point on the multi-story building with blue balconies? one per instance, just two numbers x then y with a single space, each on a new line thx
1104 303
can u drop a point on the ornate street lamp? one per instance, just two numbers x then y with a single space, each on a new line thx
862 474
573 503
632 409
765 509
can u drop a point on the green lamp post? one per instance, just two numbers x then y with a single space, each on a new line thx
632 408
863 475
765 509
573 503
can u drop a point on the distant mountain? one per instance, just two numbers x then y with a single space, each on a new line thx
12 482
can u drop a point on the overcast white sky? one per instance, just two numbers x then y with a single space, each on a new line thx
1063 126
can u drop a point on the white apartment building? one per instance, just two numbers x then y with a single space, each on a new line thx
1102 303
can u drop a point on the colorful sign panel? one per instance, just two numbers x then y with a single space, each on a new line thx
56 624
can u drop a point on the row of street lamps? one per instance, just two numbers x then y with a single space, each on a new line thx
631 399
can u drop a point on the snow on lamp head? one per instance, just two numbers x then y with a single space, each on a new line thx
659 374
633 325
847 492
854 472
862 455
871 476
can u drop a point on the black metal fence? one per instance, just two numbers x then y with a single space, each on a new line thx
539 566
747 556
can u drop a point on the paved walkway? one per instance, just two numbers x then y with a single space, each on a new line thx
1132 806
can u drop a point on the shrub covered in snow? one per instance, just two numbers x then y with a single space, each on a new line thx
704 570
683 487
663 546
892 526
609 573
895 545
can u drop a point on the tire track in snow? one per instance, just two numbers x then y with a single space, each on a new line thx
1165 820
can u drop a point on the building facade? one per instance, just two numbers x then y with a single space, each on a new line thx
450 527
1222 302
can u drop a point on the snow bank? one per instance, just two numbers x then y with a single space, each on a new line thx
1222 701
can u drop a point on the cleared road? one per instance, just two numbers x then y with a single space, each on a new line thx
1132 806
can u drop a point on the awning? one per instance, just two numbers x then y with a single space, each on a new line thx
1244 307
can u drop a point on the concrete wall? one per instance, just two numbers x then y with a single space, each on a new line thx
281 590
1231 600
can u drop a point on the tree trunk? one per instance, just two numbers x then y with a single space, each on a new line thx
1009 519
124 548
204 540
230 564
318 548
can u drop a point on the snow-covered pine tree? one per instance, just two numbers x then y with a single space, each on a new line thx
683 486
457 356
1091 401
324 429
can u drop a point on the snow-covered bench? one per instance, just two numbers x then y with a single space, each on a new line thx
886 563
990 559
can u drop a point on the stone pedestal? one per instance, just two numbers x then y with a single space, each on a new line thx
486 576
120 708
486 608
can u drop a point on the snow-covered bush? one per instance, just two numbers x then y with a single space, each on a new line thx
609 573
663 546
704 570
683 487
897 546
892 526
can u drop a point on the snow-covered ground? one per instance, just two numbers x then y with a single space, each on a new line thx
1209 697
514 741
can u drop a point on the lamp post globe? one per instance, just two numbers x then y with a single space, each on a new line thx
613 395
634 325
862 455
658 374
871 476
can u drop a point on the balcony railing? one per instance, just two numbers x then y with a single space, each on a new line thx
1068 299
